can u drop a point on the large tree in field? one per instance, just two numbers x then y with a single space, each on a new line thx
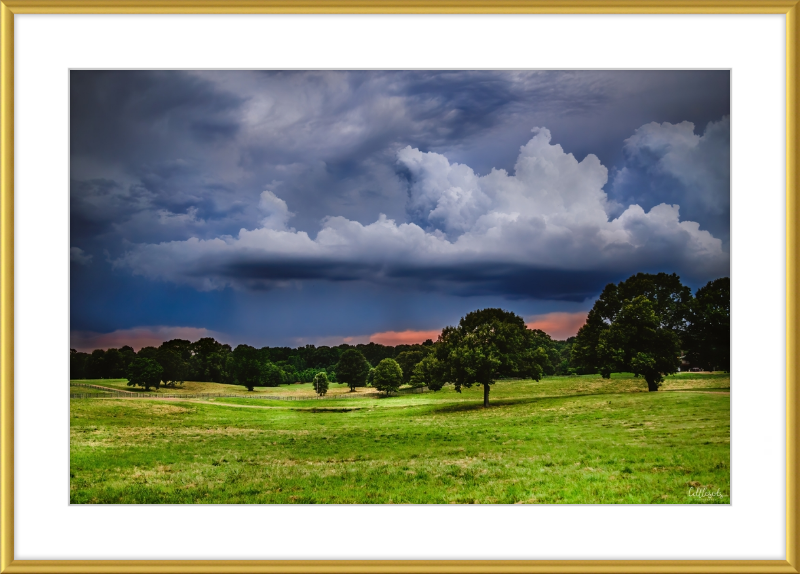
487 345
708 336
637 341
176 369
388 376
670 302
247 370
209 361
144 373
352 369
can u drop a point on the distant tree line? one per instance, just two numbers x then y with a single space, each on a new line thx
649 324
179 360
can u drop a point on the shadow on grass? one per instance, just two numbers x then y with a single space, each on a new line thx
478 404
696 390
329 409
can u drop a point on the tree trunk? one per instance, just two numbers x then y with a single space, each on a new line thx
485 396
652 386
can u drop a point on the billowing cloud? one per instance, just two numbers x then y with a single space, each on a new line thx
275 211
144 142
79 256
492 234
559 325
672 162
138 337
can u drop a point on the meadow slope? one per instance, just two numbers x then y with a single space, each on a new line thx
560 440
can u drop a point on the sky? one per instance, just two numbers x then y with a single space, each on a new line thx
286 208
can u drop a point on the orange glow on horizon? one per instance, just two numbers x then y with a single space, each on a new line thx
394 338
559 325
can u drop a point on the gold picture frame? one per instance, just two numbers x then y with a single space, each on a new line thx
8 8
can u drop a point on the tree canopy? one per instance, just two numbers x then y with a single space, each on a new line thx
321 383
175 368
246 368
409 359
644 323
708 336
637 341
669 306
144 373
352 369
486 345
388 376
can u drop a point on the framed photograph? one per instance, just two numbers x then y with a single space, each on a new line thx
384 287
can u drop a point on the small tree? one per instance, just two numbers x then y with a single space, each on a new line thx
144 373
388 376
410 359
352 369
428 373
321 383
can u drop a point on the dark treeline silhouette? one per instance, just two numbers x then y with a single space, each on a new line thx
211 361
649 324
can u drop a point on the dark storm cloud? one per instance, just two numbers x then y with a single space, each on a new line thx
132 116
326 142
206 181
465 280
513 281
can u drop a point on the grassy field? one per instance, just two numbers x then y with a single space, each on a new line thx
196 387
85 390
560 440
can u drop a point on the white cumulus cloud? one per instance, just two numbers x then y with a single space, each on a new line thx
276 213
552 213
701 162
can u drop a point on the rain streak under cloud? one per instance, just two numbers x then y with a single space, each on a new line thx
286 208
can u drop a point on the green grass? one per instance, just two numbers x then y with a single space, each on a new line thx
196 387
559 440
86 390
